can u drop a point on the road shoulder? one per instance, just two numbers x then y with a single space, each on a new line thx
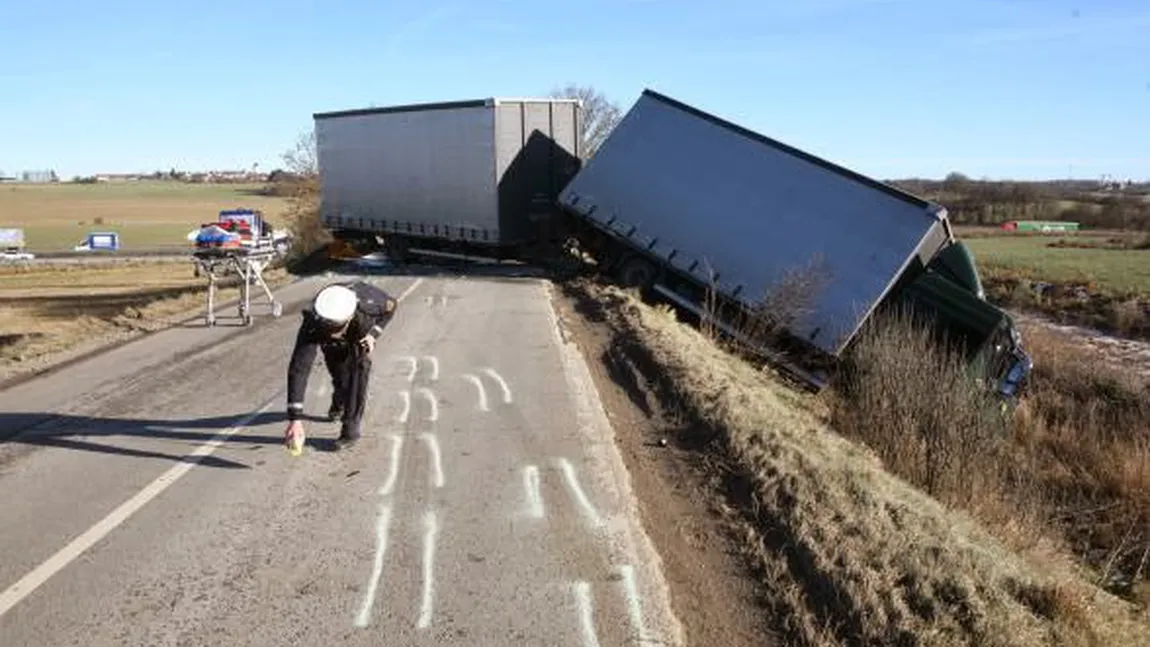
713 592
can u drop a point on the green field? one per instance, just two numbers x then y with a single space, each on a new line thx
147 215
1111 270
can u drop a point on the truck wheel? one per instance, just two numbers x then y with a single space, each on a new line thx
636 272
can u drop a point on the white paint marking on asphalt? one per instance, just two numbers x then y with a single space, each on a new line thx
406 395
30 582
586 614
436 459
531 485
409 290
577 491
389 484
381 528
430 530
413 367
634 608
482 391
426 392
502 384
434 366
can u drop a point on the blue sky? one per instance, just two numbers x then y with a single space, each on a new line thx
891 88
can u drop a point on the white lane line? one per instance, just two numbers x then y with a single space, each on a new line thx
413 367
434 366
30 582
406 395
531 486
381 528
389 484
430 530
436 458
502 384
634 608
586 614
426 392
482 391
577 491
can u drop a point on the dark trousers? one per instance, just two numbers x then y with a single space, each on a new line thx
350 371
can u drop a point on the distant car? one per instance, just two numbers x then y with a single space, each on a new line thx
11 255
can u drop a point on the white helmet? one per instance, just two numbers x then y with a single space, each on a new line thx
335 304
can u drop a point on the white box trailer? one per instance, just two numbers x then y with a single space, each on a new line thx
482 173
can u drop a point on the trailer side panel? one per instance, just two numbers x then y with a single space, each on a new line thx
704 195
422 171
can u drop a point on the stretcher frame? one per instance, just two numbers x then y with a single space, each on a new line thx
249 264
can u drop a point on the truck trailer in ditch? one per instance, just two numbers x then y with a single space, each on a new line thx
691 206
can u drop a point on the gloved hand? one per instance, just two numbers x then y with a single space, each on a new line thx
367 344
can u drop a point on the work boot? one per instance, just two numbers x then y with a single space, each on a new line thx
335 411
345 442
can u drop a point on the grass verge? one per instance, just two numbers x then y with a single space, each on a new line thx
48 310
852 553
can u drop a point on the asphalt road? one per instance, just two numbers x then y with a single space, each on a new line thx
146 497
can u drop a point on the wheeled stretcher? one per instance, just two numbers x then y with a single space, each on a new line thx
238 244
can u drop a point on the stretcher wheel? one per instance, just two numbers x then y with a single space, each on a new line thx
277 309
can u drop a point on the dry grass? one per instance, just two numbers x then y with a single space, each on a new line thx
853 553
45 310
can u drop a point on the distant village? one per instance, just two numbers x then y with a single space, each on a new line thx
194 177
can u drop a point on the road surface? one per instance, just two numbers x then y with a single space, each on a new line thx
146 498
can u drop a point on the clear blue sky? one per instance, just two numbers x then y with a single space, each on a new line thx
892 88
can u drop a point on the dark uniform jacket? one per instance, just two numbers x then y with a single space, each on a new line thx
370 318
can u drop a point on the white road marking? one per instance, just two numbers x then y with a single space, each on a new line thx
502 384
633 606
30 582
426 392
586 614
413 367
406 395
436 458
443 299
613 483
482 391
430 530
531 485
577 491
381 528
434 366
409 290
389 484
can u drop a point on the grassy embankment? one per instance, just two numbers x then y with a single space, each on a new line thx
898 509
148 214
46 308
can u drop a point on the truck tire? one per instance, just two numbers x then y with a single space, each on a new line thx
636 272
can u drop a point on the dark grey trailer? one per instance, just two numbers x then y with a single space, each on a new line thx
466 175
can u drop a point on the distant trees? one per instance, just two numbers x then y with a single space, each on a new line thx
990 202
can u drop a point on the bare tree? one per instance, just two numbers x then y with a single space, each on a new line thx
600 115
301 159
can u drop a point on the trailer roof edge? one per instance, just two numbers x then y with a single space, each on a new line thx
929 206
438 105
